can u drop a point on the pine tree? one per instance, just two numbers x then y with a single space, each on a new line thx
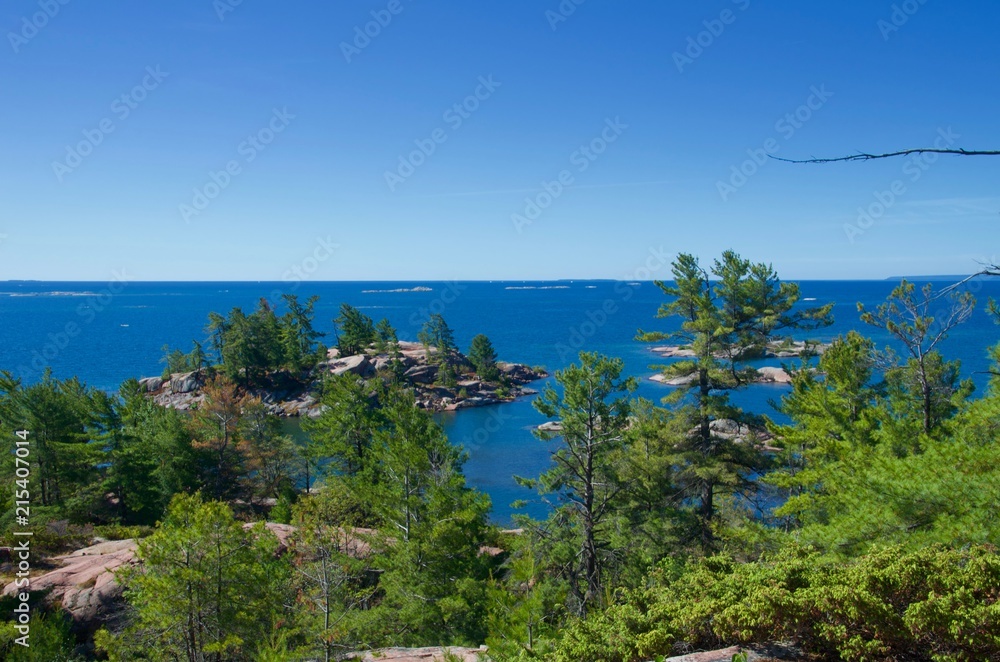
484 358
725 322
207 589
63 422
386 336
150 458
217 328
586 477
834 412
431 529
299 339
926 379
216 428
437 334
344 432
332 575
355 331
272 460
861 467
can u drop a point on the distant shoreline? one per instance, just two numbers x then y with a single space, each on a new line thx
499 281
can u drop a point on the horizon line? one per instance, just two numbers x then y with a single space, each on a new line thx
301 283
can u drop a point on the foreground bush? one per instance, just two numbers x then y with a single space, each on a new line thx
932 604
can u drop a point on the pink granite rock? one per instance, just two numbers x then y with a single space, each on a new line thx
431 654
85 585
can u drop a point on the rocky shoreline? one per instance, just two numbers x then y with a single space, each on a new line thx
784 349
765 375
778 349
295 396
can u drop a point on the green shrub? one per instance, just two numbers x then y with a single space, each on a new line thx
282 510
50 640
931 604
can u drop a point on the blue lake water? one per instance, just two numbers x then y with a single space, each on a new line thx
107 332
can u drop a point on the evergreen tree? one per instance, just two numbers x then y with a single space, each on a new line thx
61 417
484 358
408 462
266 351
237 352
151 457
437 334
332 575
931 384
217 328
586 478
129 462
527 605
649 519
51 638
865 474
197 359
217 431
299 339
345 430
175 361
272 460
834 412
432 528
385 336
250 346
355 331
725 322
207 588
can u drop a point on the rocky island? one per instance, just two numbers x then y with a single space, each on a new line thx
420 368
775 349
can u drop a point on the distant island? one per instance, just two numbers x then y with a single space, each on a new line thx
401 289
939 277
420 370
280 361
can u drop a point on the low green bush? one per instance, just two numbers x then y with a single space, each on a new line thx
932 604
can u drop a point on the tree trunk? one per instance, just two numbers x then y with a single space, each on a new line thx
707 514
708 489
590 568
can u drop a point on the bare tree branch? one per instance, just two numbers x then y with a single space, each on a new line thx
863 156
989 270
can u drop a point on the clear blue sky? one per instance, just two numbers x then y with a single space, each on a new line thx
560 82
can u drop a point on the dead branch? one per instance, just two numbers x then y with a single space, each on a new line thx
863 156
